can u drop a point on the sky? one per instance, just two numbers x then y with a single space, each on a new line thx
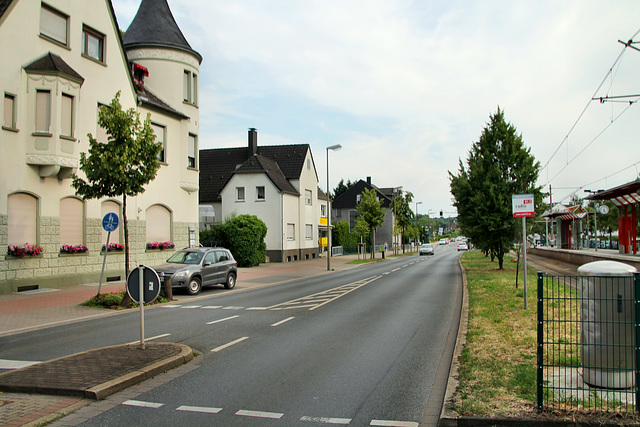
406 87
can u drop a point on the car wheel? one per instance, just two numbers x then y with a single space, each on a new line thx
195 285
231 281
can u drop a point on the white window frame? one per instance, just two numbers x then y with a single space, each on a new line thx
291 232
261 189
239 193
51 22
308 197
309 231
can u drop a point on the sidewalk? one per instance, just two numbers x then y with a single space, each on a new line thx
64 385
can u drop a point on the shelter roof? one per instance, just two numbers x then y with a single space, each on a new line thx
622 195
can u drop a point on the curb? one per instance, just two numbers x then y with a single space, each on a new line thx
105 390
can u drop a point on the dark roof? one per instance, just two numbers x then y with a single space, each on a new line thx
53 64
154 25
261 164
218 165
349 199
149 100
4 4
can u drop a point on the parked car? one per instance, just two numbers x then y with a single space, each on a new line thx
193 268
462 246
426 249
443 242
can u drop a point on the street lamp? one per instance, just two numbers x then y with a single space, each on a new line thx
395 221
332 148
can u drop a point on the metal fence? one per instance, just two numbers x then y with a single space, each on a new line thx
588 354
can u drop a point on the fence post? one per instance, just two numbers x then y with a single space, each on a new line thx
636 301
540 349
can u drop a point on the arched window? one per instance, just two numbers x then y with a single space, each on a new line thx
22 219
158 224
111 207
71 221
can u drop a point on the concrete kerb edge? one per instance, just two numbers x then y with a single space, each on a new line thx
105 390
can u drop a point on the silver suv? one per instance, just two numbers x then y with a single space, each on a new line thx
193 268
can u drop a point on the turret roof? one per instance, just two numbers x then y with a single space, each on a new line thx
154 25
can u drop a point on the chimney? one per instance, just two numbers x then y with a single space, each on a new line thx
369 180
253 142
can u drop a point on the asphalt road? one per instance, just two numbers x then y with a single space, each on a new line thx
360 347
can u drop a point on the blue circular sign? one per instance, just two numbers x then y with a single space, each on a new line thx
110 221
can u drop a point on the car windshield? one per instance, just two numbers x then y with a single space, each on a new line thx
186 258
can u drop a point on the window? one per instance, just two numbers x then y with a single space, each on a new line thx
323 210
9 112
308 196
22 211
158 224
309 164
159 131
190 87
193 149
43 111
358 198
54 25
260 193
291 232
92 44
66 116
71 221
308 232
240 194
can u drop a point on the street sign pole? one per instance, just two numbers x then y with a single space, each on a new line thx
141 302
524 259
109 223
104 261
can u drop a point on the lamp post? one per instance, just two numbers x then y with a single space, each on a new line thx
395 220
332 148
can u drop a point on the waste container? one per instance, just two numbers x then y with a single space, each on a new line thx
607 318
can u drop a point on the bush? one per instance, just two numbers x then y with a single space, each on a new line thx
245 235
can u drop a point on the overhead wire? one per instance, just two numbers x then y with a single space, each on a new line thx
564 140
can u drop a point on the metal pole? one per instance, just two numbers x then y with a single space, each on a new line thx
104 260
524 259
636 300
141 302
328 218
595 220
540 350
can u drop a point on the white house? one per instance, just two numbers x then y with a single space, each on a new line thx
278 184
62 60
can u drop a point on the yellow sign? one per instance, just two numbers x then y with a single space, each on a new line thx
323 221
323 242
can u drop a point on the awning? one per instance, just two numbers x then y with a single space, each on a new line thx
622 195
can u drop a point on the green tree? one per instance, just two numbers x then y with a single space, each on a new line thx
245 236
341 188
370 210
123 165
340 233
499 166
401 207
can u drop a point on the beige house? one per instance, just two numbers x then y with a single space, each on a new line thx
61 61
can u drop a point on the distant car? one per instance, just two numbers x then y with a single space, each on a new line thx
193 268
462 246
443 242
426 249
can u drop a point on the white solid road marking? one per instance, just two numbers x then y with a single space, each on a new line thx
222 320
222 347
326 420
15 364
384 423
283 321
141 404
148 339
260 414
203 409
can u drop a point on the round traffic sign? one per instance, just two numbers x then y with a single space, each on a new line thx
110 221
150 284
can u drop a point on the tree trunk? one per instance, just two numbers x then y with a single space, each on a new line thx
126 300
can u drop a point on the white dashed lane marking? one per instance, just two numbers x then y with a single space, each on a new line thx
283 321
142 404
325 420
222 320
222 347
260 414
202 409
